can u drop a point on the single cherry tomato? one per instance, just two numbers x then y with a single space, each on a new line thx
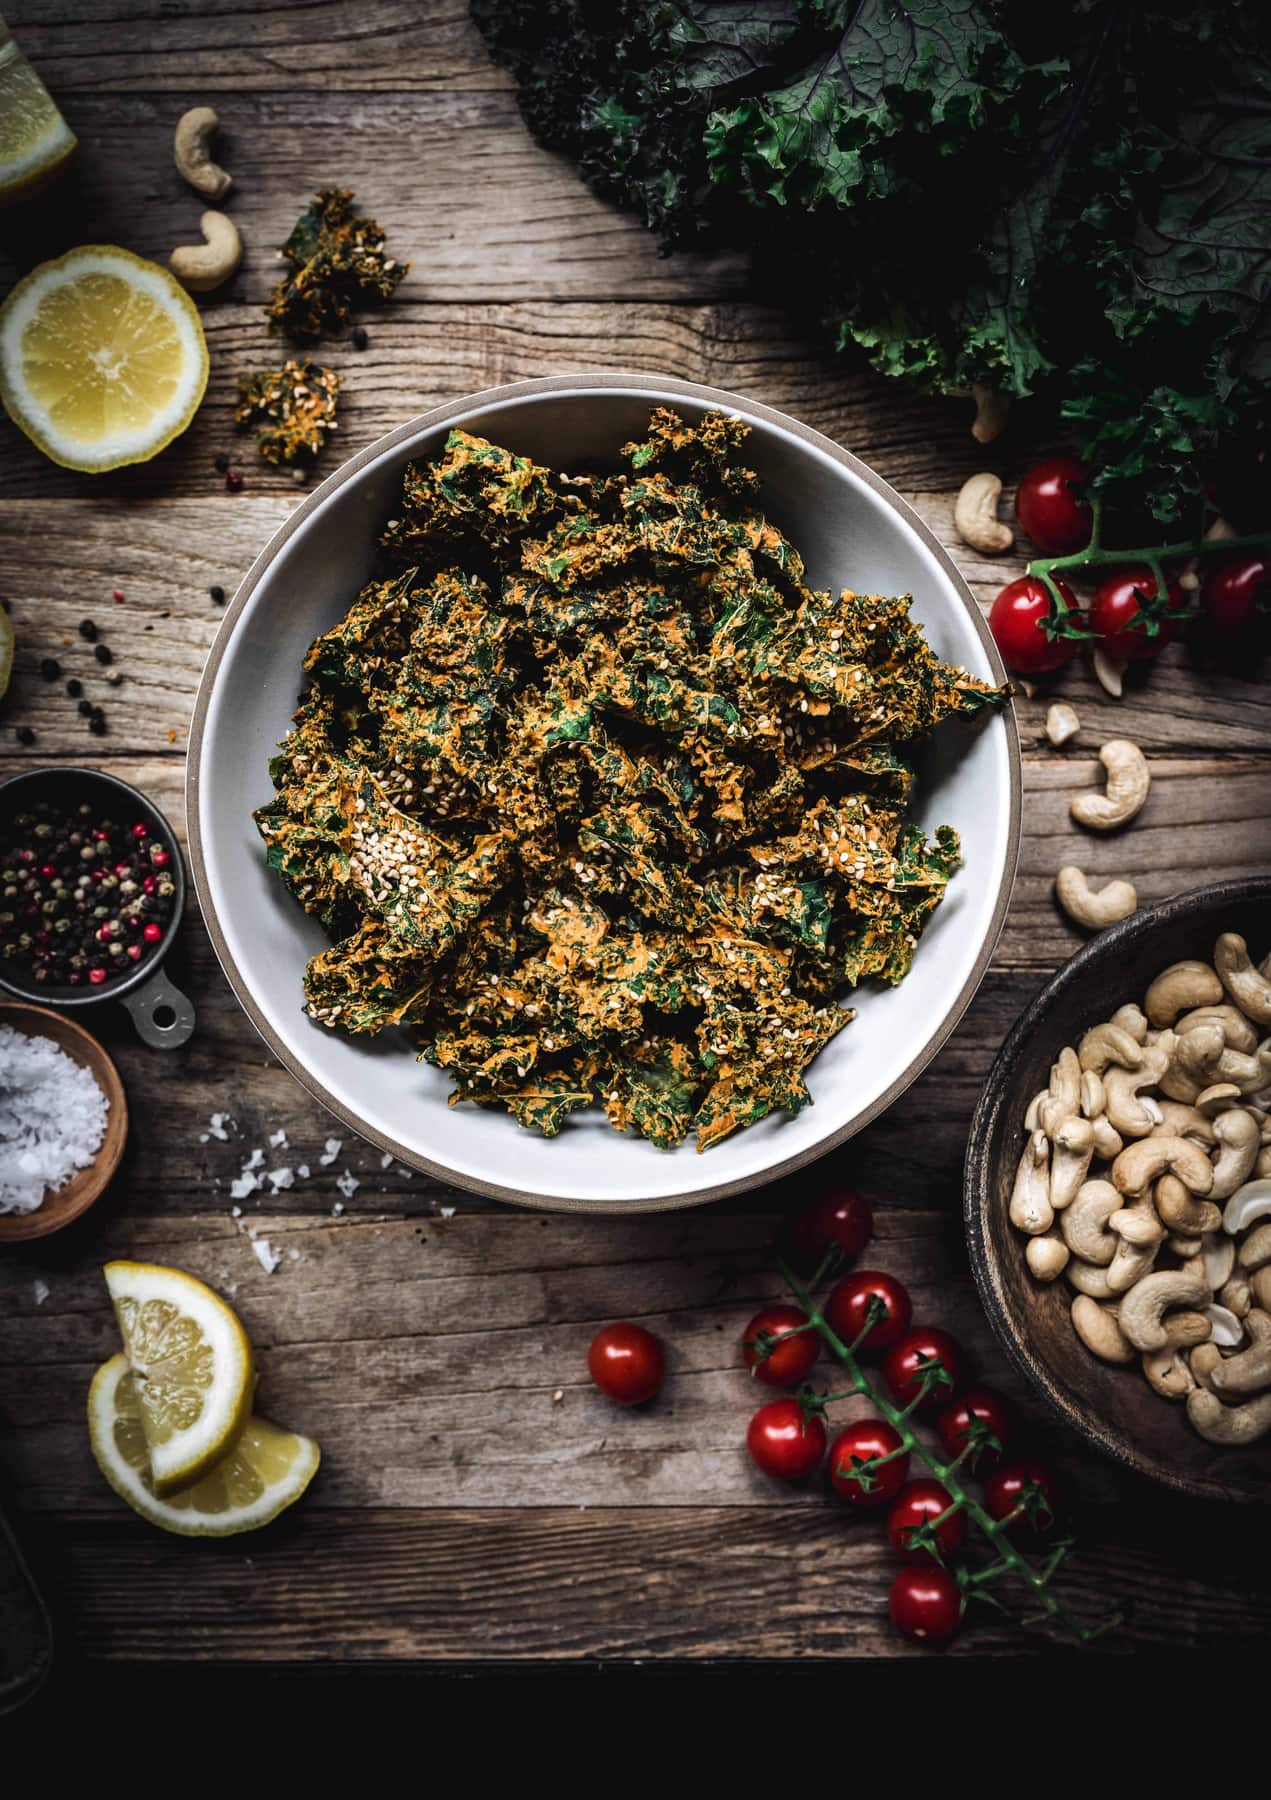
840 1218
921 1503
1025 1483
1049 504
785 1444
924 1347
626 1363
847 1309
1018 620
858 1445
1236 596
789 1357
925 1604
991 1420
1122 607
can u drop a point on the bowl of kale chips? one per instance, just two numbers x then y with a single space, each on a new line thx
650 809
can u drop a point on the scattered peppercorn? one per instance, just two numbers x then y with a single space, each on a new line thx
234 480
97 725
360 339
25 735
103 653
117 595
74 688
220 463
50 668
218 594
88 630
85 709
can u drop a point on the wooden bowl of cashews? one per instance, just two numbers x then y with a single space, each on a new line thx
1118 1192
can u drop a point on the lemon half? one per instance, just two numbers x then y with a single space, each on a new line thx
266 1470
192 1365
102 358
35 139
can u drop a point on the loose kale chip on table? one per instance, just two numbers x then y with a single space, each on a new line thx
591 791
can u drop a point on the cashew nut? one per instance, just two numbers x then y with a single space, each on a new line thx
1226 1327
1128 783
1084 1223
1098 1330
1248 1372
1110 1043
975 516
1180 988
1180 1120
1132 1020
1260 1286
1193 1063
1238 1135
1092 1096
1143 1308
1250 1202
1186 1328
1247 985
192 148
1074 1147
1221 1424
1168 1373
1030 1208
1202 1360
1087 1278
1109 671
1128 1114
1062 723
1238 1033
1213 1100
201 267
1108 1142
1255 1252
1046 1256
1236 1294
1095 909
1219 1253
991 409
1140 1233
1176 1209
1141 1164
1185 1247
1062 1099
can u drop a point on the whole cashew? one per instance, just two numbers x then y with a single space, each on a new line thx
1182 987
1237 1032
1219 1252
1255 1252
1126 1111
1132 1020
1074 1147
1247 985
1143 1308
1141 1164
1249 1372
1236 1295
1238 1135
1062 1099
1140 1233
1110 1043
1046 1256
1030 1208
191 147
1250 1202
1084 1224
1193 1063
1108 1142
1128 782
1109 671
975 516
1179 1212
1221 1424
1180 1120
1183 1329
1202 1360
1249 1073
1168 1373
1088 1279
1062 723
1095 909
202 267
1098 1330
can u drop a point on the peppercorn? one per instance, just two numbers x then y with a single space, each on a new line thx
50 668
74 688
360 339
218 594
103 653
88 631
84 709
25 735
97 725
234 480
220 463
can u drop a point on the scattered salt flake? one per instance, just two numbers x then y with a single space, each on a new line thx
41 1291
281 1178
447 1212
266 1255
303 1171
235 1212
348 1184
386 1161
337 1209
216 1126
244 1185
331 1149
203 1137
255 1161
558 1396
294 1255
278 1140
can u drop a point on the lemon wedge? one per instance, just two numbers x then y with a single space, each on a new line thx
35 139
192 1366
102 358
262 1475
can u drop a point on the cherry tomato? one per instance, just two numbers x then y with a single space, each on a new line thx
954 1426
921 1503
925 1604
1116 614
860 1443
918 1349
1017 619
790 1358
840 1217
783 1443
847 1308
1050 507
626 1363
1236 596
1007 1487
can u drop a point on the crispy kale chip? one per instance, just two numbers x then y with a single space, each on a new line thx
338 262
294 407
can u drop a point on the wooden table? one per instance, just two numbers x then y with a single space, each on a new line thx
478 1499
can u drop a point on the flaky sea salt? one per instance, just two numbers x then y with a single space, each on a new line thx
266 1255
348 1184
216 1126
330 1151
52 1119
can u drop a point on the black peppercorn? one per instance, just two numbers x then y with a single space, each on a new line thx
218 594
25 734
360 339
103 653
84 709
97 725
50 668
74 688
87 630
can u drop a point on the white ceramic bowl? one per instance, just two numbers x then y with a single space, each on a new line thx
853 531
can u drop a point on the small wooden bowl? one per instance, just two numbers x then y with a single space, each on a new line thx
75 1196
1111 1406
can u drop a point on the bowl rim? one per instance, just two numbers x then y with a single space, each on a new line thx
975 1176
654 388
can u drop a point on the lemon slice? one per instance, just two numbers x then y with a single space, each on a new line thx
102 358
193 1368
35 139
6 651
266 1470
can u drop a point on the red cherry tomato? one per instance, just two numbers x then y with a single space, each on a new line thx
626 1363
1025 1482
1236 596
861 1443
925 1605
921 1503
917 1350
788 1359
1017 619
841 1217
783 1443
847 1309
1118 610
986 1407
1050 507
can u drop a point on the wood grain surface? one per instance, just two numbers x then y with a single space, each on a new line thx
478 1499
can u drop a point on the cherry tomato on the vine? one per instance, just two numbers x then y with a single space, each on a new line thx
791 1349
626 1363
918 1350
847 1309
1018 619
859 1445
954 1426
921 1503
785 1444
840 1218
1050 507
1122 607
1028 1483
925 1604
1236 596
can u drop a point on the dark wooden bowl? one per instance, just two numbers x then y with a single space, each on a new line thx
75 1196
1111 1406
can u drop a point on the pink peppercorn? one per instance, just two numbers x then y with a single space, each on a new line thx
140 831
160 858
97 976
134 951
152 933
149 884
